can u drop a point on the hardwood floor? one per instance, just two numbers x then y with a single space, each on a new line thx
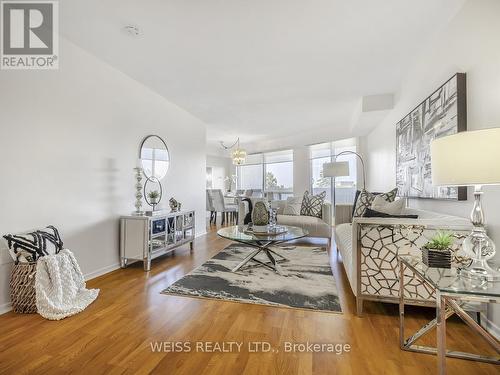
115 333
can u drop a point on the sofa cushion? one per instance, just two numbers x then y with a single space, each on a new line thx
439 218
293 206
312 204
392 208
372 213
314 225
343 239
365 200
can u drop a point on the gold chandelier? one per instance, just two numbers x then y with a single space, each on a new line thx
238 155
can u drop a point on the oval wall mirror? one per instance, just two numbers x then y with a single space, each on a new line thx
155 158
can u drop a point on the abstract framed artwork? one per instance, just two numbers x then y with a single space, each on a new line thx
443 113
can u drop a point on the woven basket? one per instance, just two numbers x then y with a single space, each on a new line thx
22 288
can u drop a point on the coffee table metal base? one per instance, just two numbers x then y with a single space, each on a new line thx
262 247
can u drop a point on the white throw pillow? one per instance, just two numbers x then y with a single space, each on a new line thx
391 208
292 206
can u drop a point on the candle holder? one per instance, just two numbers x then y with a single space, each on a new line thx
138 192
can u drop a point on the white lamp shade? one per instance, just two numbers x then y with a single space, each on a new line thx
467 158
336 169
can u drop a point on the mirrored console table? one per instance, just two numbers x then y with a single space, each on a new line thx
147 237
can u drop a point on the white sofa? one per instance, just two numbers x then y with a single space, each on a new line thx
317 227
369 249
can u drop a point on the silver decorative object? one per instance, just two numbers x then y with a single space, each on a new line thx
138 191
478 246
174 205
260 214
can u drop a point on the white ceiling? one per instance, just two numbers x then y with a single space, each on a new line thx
262 68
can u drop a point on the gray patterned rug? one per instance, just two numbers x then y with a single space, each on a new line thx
307 280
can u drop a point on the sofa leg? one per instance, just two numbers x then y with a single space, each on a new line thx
359 306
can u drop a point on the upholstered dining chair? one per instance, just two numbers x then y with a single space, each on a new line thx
210 207
228 211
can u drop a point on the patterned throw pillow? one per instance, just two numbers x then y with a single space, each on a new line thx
312 205
365 200
28 247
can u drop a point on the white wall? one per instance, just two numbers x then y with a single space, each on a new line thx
221 168
68 142
470 44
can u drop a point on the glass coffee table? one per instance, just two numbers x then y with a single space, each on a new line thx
261 244
452 291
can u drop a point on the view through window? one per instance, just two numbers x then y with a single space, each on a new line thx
268 173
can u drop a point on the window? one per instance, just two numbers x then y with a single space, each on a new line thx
345 187
278 173
250 173
270 172
250 177
320 183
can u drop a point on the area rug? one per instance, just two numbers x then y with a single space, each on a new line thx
307 281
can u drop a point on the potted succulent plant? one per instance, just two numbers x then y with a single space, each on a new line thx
438 250
154 196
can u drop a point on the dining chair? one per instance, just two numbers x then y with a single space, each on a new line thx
228 211
210 207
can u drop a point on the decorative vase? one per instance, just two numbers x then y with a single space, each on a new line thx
260 214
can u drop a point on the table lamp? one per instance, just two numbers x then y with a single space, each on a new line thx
471 159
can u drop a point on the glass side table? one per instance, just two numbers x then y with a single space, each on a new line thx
451 292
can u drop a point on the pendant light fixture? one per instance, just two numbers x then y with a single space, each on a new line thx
238 155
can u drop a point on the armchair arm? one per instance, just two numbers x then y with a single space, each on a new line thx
326 213
343 213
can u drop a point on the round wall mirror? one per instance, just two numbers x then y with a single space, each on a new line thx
155 158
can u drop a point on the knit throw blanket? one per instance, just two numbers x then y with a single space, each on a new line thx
60 286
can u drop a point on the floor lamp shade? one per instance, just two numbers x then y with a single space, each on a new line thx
467 158
336 169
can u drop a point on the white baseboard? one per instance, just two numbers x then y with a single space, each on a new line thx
200 234
5 307
490 326
101 271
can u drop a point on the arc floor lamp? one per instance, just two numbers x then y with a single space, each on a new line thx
342 169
